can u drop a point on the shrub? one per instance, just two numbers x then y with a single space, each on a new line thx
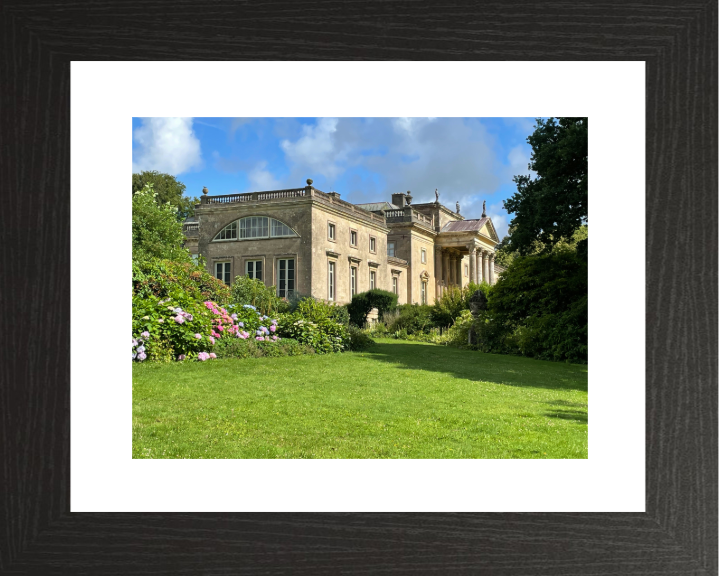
315 323
169 327
324 335
154 277
453 301
246 290
538 308
457 334
239 348
359 340
412 318
364 302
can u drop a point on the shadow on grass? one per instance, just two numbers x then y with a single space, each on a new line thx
481 367
576 415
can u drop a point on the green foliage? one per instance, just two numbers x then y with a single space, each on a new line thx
315 323
409 319
246 290
453 301
364 302
156 232
359 340
155 277
169 190
251 348
167 336
539 308
504 255
553 205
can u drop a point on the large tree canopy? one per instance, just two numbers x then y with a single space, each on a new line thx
168 189
552 206
156 233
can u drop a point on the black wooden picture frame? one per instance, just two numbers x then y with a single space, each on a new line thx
678 534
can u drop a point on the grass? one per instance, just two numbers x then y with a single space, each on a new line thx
400 400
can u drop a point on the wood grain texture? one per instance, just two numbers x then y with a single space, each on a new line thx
677 534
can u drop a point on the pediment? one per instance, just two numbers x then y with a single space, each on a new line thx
489 230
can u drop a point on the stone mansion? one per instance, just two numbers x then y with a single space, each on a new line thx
313 243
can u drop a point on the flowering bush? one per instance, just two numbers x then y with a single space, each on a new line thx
324 335
246 290
161 277
170 327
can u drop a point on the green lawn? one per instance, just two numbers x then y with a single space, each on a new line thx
401 400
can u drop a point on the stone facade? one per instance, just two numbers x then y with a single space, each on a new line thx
313 243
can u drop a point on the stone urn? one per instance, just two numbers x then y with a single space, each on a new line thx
478 302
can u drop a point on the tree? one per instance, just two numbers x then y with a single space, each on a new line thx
505 255
552 206
156 232
168 189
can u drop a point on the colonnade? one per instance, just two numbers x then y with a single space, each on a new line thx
448 266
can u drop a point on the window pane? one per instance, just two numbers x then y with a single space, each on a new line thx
258 270
290 275
218 271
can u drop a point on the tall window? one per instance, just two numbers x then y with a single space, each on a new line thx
353 238
391 248
353 281
423 255
253 268
331 280
331 231
423 292
222 271
286 277
372 244
395 285
372 279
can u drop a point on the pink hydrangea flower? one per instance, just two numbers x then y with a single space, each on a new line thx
179 319
198 336
212 340
273 328
275 337
213 355
259 338
145 334
181 357
161 320
202 356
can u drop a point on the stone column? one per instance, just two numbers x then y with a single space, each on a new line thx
472 264
438 271
453 269
485 266
446 267
478 266
459 271
491 265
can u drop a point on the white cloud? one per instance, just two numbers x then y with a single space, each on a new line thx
166 145
500 219
261 179
316 149
519 158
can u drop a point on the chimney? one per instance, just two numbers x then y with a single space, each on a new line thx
398 200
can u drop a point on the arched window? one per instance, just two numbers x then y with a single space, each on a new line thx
255 227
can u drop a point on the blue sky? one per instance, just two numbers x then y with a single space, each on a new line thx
364 159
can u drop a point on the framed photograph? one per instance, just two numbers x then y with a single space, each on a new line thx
644 501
